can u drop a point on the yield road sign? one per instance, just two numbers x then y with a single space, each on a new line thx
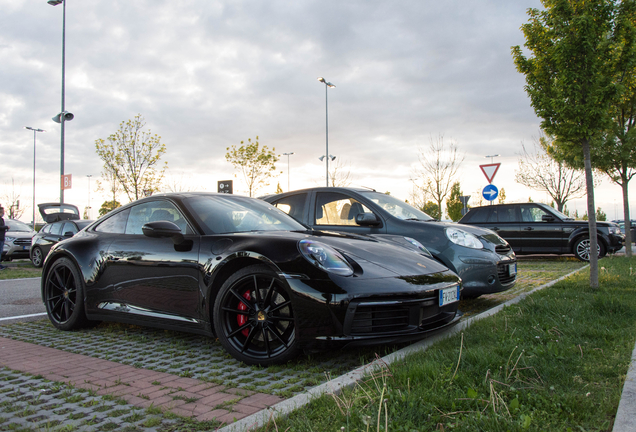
490 192
490 170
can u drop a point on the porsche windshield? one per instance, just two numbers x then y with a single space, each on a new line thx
231 214
396 207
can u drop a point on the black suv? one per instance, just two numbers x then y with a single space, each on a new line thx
533 228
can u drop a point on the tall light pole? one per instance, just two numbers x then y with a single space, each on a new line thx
492 157
63 116
288 154
88 212
327 85
35 131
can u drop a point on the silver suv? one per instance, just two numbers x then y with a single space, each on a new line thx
17 241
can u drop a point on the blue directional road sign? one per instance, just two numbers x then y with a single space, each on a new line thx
490 192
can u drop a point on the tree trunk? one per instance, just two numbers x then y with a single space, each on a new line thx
591 215
626 215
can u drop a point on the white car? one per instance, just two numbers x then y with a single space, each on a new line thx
17 241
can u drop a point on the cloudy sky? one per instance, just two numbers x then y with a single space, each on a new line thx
207 74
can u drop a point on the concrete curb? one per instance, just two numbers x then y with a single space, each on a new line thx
625 420
351 378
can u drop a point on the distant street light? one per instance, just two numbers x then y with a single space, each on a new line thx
35 131
492 157
63 116
288 154
327 85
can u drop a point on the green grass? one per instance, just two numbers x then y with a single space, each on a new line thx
19 270
555 361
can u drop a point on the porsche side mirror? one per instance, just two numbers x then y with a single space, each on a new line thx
160 229
367 219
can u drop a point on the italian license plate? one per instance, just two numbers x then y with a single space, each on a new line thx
512 269
448 295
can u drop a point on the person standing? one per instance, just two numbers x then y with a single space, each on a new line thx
3 230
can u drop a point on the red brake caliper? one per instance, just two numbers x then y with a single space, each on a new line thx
242 319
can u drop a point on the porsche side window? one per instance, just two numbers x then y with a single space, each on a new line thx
337 209
115 224
152 212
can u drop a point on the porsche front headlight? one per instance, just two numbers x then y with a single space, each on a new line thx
325 257
463 238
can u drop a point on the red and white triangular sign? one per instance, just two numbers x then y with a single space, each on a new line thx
490 170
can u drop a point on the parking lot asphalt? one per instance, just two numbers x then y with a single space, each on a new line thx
131 378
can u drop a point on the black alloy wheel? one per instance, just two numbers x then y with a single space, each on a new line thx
253 317
37 257
63 296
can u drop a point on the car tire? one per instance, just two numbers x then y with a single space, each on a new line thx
253 317
64 296
37 257
581 249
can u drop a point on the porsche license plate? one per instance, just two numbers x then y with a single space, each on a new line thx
448 295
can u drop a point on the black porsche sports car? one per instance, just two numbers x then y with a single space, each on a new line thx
240 269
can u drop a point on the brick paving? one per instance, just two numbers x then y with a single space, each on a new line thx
139 387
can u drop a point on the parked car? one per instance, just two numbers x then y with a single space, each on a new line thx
17 241
534 228
632 230
241 270
483 260
51 234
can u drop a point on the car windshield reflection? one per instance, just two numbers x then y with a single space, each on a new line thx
222 215
17 226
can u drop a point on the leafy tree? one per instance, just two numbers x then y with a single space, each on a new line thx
571 78
617 154
132 158
432 209
454 205
257 164
438 168
279 189
108 206
540 171
501 198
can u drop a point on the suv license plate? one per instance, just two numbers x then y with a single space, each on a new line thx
448 295
512 269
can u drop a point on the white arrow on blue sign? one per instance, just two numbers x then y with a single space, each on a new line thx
490 192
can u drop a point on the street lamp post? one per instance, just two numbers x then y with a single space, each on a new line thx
63 116
88 210
288 154
35 131
327 85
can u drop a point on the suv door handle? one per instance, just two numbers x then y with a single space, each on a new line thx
528 229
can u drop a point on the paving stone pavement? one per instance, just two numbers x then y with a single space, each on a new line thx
139 387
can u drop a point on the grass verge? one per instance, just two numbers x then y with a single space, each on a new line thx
555 361
19 270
